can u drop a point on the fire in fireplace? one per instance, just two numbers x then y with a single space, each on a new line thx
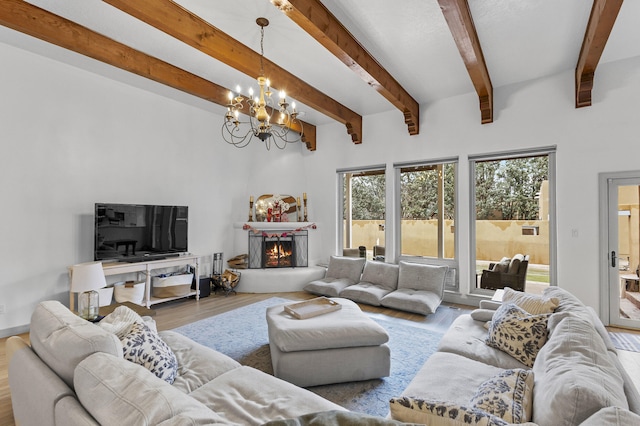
278 252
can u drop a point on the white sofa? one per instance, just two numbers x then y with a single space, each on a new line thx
74 373
573 377
408 286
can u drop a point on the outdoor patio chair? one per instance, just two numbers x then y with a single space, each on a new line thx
506 273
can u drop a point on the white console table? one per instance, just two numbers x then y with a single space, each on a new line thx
119 268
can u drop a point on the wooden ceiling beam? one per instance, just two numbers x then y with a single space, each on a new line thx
171 18
39 23
313 17
603 17
458 17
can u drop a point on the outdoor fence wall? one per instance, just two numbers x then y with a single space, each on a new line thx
494 238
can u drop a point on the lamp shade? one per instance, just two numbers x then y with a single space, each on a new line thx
87 276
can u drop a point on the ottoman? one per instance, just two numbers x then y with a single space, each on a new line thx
341 346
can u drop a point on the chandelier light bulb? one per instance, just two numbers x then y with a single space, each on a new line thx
293 106
251 92
268 83
230 95
282 94
238 89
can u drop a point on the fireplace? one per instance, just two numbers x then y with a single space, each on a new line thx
278 249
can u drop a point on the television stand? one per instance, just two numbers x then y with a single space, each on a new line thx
145 267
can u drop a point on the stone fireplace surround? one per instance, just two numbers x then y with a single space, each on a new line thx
274 280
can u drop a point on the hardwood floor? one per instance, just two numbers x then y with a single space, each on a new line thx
177 313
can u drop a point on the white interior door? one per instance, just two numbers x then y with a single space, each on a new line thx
623 228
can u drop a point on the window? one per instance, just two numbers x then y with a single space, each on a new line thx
427 209
512 213
363 212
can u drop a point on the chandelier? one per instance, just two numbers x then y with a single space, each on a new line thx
261 109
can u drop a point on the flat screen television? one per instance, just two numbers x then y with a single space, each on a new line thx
139 232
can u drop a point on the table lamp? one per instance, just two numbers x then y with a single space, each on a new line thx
86 278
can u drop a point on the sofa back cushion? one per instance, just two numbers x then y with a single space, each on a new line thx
345 267
382 274
418 276
532 303
575 375
62 339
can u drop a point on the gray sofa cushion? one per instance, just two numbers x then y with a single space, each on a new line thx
417 276
118 392
246 396
198 364
62 339
345 267
341 273
575 375
418 301
420 288
330 287
612 416
384 275
378 279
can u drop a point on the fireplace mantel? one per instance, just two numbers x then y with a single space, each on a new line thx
281 226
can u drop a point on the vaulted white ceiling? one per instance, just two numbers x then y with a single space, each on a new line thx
521 40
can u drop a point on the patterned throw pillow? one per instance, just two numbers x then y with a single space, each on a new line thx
509 395
142 346
438 413
518 333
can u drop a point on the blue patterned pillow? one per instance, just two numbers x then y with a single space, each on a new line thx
518 333
509 395
436 413
143 346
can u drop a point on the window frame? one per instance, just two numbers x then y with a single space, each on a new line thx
340 173
550 152
397 214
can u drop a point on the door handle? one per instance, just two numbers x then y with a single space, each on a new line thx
613 259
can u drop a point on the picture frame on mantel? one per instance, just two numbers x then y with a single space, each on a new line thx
267 201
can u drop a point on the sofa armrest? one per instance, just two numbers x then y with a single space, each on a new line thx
490 304
35 388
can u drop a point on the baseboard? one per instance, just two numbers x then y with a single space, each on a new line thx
14 331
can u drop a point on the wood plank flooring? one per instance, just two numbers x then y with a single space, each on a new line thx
177 313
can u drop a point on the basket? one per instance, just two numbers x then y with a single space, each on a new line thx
129 291
172 286
105 295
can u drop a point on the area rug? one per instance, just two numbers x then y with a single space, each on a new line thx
625 341
242 335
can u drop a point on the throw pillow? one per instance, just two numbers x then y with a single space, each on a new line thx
509 395
482 315
502 266
518 333
142 346
120 321
439 413
531 303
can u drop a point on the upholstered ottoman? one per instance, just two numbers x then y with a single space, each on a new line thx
341 346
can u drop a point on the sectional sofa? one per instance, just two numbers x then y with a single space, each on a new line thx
542 359
74 373
411 287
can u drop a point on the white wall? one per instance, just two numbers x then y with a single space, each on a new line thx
71 138
600 138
